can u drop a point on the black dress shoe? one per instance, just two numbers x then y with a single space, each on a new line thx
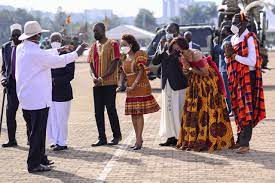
174 142
10 144
100 143
59 148
169 142
47 163
115 141
137 148
39 168
52 146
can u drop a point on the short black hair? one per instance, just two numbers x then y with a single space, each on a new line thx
101 25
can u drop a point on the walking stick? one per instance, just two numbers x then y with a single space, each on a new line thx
2 109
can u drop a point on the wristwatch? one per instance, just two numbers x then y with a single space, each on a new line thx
190 68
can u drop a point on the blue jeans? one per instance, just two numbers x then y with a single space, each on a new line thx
228 101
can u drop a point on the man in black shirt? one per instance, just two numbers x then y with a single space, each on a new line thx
173 87
62 94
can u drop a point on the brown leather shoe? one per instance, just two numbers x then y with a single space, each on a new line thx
243 150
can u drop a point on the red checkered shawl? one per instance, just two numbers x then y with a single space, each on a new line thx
248 110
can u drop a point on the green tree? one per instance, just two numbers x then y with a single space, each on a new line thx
8 18
146 20
197 13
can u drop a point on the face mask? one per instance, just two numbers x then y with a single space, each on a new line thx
235 29
169 36
125 49
56 45
97 36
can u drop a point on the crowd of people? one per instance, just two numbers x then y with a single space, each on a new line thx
198 96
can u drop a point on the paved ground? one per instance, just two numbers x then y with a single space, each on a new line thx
83 163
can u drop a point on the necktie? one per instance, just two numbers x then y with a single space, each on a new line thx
13 60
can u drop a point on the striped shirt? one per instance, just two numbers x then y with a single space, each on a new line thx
101 57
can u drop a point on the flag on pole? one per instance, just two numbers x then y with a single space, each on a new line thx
68 19
106 22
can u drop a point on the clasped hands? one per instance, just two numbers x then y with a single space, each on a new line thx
98 81
229 51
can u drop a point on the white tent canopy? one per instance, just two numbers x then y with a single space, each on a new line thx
118 32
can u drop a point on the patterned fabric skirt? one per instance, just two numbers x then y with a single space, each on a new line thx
141 105
205 120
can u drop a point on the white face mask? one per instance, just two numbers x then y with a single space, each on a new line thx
125 49
169 36
56 45
235 29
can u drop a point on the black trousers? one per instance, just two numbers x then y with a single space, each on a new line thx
11 109
244 136
105 96
37 122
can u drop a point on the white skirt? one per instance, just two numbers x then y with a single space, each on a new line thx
171 111
57 126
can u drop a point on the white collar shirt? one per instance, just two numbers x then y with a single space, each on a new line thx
190 44
33 74
250 60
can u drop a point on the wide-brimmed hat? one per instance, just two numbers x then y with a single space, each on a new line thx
31 28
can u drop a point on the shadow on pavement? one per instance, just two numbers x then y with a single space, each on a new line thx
90 156
65 176
264 158
178 155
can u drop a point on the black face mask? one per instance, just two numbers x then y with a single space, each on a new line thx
98 36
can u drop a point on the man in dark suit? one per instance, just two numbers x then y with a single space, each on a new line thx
62 94
173 87
188 36
8 81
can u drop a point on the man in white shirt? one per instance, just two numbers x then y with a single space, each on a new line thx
245 81
34 88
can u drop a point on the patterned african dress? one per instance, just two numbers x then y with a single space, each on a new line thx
205 120
140 100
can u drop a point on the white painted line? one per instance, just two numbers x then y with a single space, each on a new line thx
109 166
119 152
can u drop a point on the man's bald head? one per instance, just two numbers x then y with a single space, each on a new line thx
188 36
